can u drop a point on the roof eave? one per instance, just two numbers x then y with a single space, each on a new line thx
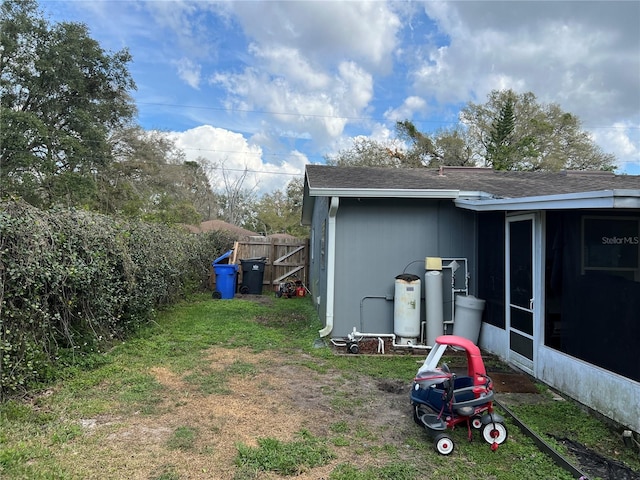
308 203
384 193
583 200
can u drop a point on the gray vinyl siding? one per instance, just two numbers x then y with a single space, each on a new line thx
317 261
378 239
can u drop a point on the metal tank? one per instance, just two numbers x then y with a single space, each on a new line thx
406 309
433 305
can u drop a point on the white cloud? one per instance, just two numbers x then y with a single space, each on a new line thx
229 153
564 54
320 113
622 140
406 111
580 55
287 62
189 72
309 76
361 31
184 24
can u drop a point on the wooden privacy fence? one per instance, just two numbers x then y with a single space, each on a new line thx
285 259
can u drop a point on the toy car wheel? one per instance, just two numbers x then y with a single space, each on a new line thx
279 293
418 411
443 444
494 433
476 422
244 289
416 414
216 295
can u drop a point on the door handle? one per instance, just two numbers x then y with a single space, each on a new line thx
531 304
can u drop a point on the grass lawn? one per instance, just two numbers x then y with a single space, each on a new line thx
235 389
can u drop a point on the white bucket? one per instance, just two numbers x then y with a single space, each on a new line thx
468 317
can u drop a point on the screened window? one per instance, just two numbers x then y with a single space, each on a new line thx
592 288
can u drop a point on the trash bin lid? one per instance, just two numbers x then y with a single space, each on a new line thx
222 257
225 268
255 259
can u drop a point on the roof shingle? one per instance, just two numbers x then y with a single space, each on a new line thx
498 184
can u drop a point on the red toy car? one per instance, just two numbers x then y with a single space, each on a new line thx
441 400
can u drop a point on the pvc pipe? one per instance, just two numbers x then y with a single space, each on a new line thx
331 267
381 297
410 345
355 334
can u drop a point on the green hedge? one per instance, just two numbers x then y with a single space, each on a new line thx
71 282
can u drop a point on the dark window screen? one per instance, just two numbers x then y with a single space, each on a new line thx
491 266
521 345
593 307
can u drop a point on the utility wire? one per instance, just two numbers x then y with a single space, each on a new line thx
346 117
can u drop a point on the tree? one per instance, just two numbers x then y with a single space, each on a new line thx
452 147
444 147
421 151
150 178
236 202
515 132
509 132
411 149
280 211
366 152
500 147
198 188
61 96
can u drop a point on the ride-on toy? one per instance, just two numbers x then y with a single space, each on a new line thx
441 400
291 288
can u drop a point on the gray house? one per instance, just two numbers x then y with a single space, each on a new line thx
554 256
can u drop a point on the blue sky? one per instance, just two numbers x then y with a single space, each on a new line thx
271 86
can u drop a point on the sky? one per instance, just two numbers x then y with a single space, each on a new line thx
265 87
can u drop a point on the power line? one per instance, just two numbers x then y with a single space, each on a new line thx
262 112
280 156
344 117
255 171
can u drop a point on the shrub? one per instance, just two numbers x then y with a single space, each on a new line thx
72 281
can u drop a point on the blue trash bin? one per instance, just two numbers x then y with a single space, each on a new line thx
225 277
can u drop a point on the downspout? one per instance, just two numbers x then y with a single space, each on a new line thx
331 264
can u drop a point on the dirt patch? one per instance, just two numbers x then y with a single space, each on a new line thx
260 299
265 395
597 464
512 383
277 400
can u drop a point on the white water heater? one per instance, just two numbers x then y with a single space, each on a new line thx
406 309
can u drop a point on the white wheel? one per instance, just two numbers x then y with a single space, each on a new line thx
476 422
443 444
494 433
